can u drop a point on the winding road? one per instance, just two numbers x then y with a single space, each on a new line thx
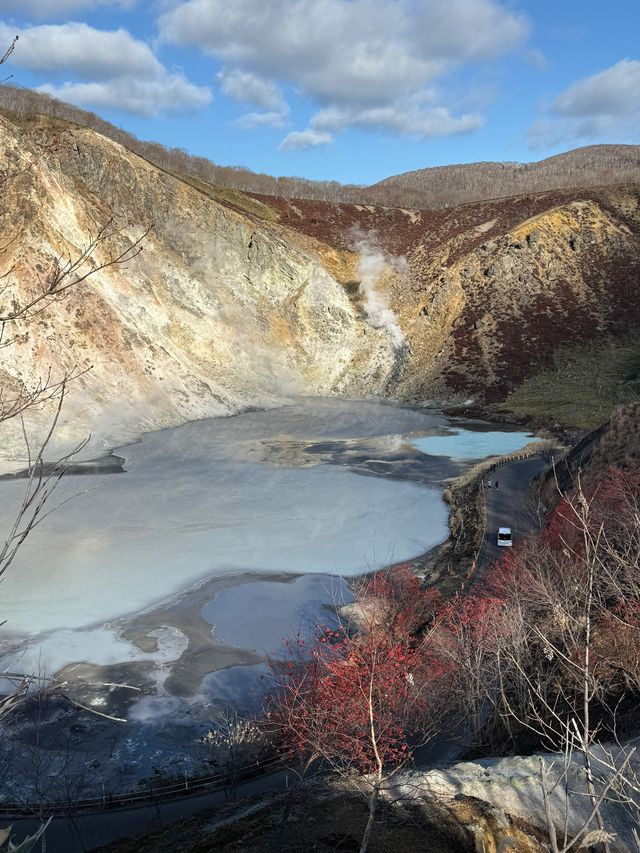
510 505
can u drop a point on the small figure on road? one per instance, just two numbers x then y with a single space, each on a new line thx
488 484
496 484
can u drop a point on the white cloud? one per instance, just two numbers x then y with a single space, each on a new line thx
613 92
406 117
332 48
259 92
82 50
255 90
54 8
364 60
301 140
477 30
103 68
603 106
249 121
170 93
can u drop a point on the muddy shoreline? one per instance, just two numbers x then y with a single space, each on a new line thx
204 654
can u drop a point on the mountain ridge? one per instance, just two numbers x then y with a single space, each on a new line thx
605 165
587 166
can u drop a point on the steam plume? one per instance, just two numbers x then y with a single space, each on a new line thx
372 262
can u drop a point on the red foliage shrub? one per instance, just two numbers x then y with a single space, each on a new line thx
396 599
507 655
352 701
362 701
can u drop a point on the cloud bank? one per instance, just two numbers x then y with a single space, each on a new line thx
110 69
606 104
371 64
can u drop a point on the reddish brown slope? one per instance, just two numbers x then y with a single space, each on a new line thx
494 287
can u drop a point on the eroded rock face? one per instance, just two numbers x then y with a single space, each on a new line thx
488 314
240 301
492 288
218 312
493 799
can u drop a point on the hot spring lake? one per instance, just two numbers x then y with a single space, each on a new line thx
241 526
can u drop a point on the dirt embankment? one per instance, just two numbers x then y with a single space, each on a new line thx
332 816
453 562
615 443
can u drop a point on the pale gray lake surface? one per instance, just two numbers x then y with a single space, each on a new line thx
203 500
193 503
275 615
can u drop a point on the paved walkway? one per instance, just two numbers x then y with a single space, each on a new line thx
84 832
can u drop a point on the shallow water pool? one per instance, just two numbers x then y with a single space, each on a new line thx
471 444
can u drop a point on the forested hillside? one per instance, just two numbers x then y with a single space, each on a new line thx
592 166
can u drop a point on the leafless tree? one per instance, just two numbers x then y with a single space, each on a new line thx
235 742
19 305
572 656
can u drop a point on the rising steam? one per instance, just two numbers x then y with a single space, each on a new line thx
372 262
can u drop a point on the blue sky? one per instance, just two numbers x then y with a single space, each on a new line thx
351 90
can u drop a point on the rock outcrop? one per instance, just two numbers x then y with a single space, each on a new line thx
491 289
218 313
498 803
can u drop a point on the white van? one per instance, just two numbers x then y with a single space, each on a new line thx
505 540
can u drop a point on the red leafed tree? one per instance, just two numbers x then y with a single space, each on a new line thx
361 703
395 602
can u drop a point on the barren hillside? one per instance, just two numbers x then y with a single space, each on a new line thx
491 289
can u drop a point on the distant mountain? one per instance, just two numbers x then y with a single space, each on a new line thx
443 186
